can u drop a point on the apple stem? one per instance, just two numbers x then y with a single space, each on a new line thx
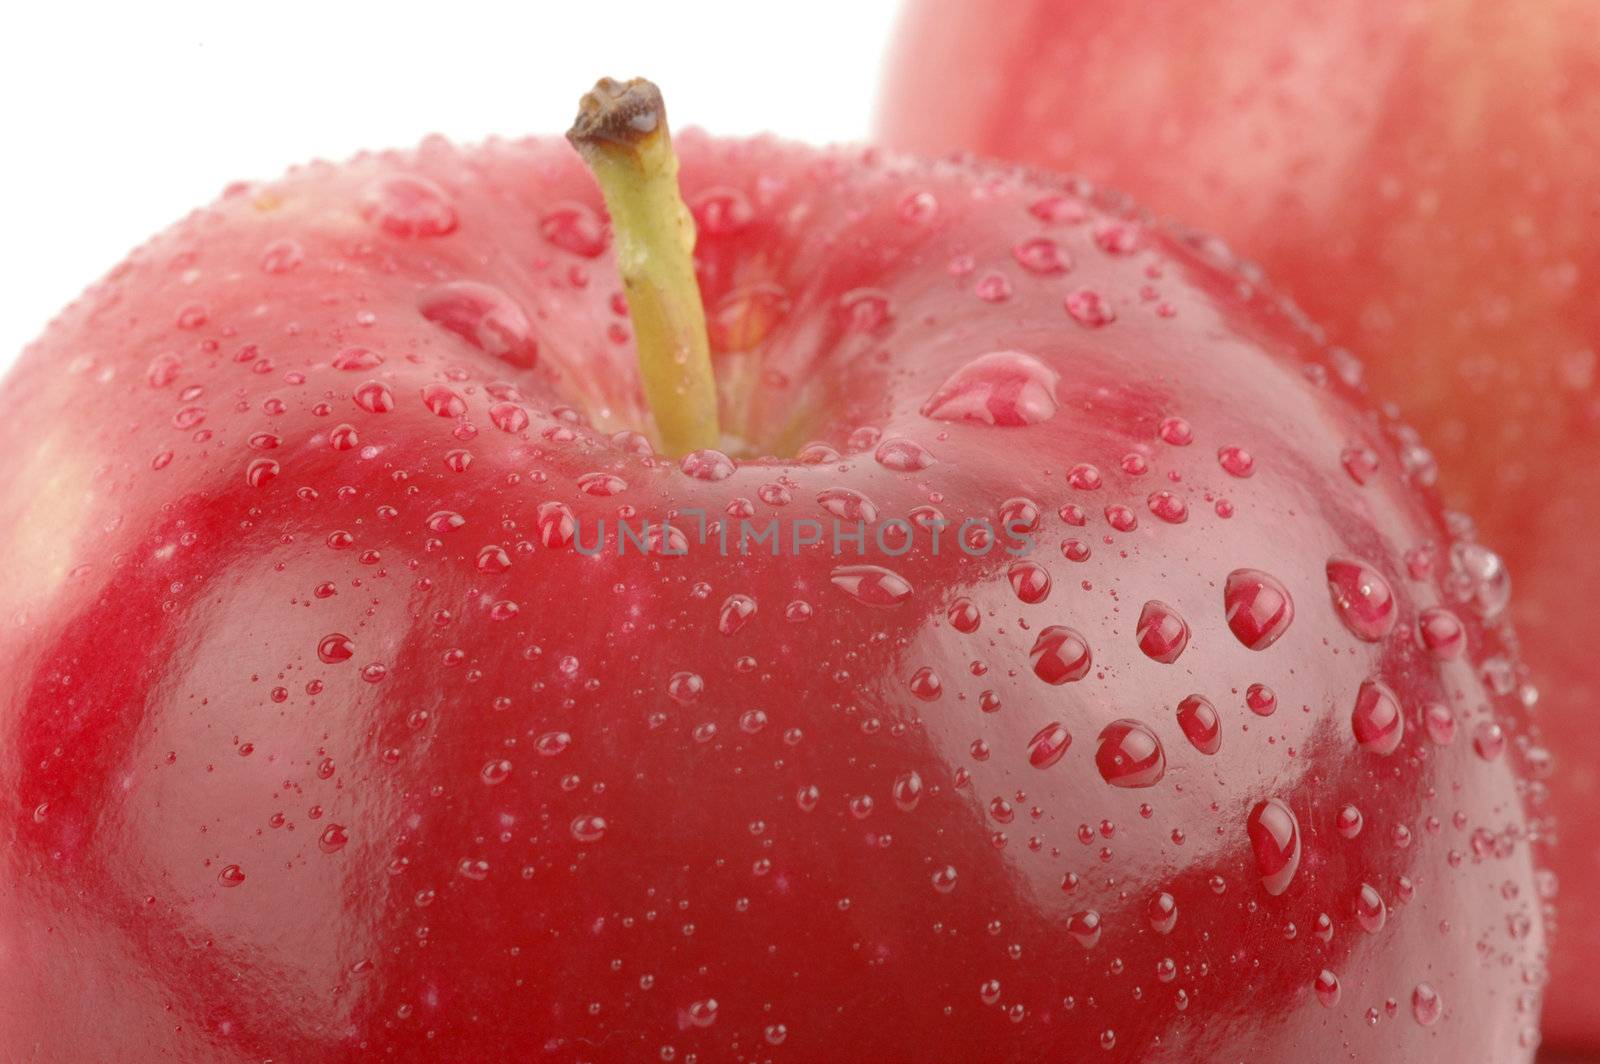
621 132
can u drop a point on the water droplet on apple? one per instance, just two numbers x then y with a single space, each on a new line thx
1041 255
1084 927
707 465
1479 578
282 256
333 838
1049 745
485 317
1327 988
335 648
443 400
871 585
1060 655
1162 634
1362 598
1129 755
1426 1006
1003 388
1162 913
1030 582
374 398
848 505
1236 461
1090 309
1371 912
1198 720
1377 720
1275 837
736 611
588 828
1441 633
864 310
408 206
574 227
1258 606
902 455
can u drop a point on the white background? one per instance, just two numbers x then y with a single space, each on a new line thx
118 120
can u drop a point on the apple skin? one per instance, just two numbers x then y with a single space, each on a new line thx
1424 179
561 829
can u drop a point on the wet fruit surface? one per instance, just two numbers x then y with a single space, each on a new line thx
1442 222
422 746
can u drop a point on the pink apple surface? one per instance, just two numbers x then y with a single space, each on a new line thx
335 732
1424 179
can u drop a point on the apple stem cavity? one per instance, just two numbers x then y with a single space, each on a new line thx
621 132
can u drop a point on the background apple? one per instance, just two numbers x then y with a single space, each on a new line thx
325 743
1424 179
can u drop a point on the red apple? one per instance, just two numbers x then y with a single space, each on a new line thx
332 733
1423 178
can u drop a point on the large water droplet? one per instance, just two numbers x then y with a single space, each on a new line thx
902 455
1084 926
1426 1007
408 206
335 648
1030 581
1371 912
848 505
1162 633
1060 655
707 465
871 585
1361 597
1198 720
1049 745
1130 755
1275 838
1004 388
1090 309
1258 606
1162 912
1479 578
1376 720
574 227
483 316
